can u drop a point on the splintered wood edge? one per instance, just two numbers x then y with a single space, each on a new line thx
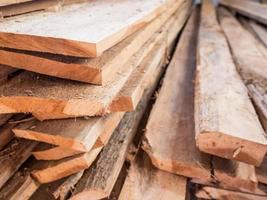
51 139
197 171
230 147
49 45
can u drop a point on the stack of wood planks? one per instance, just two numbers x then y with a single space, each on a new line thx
133 100
77 77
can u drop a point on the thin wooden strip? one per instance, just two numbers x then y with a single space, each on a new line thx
221 100
95 70
250 9
250 60
146 182
94 38
50 152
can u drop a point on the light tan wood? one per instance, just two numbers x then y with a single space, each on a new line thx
98 31
251 62
248 8
97 181
49 152
146 182
208 192
13 156
76 134
95 70
53 98
168 150
221 100
9 2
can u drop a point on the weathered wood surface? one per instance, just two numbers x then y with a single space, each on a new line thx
53 98
9 2
249 59
97 181
168 150
146 182
95 70
218 114
13 156
77 134
208 192
248 8
97 32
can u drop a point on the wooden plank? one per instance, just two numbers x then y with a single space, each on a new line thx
96 70
217 114
148 183
50 152
95 37
251 62
168 150
98 181
13 156
250 9
260 30
9 2
131 93
80 134
208 192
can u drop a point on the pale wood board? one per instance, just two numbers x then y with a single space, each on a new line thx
222 101
169 134
248 8
95 70
146 182
97 32
53 98
249 59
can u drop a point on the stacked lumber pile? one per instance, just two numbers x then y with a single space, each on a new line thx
99 103
76 81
